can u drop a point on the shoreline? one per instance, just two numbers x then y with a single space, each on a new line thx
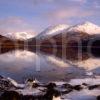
75 89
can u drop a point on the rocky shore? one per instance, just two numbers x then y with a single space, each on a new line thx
75 89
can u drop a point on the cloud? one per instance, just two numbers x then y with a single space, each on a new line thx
25 3
68 13
43 13
96 4
15 24
79 0
72 14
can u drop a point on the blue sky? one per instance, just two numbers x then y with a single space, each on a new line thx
36 15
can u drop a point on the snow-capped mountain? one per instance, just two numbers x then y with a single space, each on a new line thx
19 35
86 27
53 30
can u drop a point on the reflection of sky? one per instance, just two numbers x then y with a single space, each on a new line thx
18 60
35 15
18 64
22 63
18 56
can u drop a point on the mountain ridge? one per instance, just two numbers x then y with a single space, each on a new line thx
86 27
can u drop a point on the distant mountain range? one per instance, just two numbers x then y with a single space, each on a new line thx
18 35
58 32
61 37
86 27
7 44
63 32
69 39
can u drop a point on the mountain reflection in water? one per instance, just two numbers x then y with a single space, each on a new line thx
21 64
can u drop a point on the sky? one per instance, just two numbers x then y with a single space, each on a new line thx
34 16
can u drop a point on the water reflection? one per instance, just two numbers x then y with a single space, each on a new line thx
21 64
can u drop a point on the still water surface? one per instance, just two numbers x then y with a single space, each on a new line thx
22 64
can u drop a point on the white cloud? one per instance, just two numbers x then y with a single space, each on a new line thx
96 4
15 24
68 13
79 0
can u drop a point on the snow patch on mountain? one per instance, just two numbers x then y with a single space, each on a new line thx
19 35
87 27
53 30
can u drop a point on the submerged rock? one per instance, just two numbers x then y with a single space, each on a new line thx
93 87
98 97
77 87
